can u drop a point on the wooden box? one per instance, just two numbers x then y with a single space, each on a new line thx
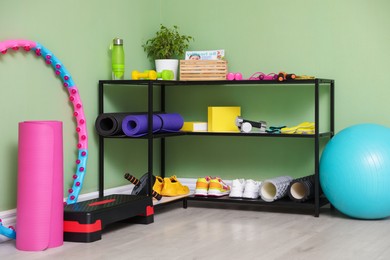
203 69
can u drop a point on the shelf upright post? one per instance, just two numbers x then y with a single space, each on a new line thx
162 140
316 150
332 108
150 137
101 142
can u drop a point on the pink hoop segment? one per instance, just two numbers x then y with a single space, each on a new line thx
74 97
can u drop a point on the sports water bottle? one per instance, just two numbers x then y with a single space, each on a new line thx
118 59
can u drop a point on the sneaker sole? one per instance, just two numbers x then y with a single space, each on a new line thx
201 193
217 193
235 194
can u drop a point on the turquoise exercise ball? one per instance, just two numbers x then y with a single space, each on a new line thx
355 171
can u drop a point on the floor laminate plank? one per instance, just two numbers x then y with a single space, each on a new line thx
231 232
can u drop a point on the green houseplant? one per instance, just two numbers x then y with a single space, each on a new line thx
166 47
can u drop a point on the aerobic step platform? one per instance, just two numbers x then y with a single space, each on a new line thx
84 221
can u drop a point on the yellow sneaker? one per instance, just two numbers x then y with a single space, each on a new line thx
158 184
202 186
172 187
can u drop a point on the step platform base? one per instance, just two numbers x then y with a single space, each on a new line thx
84 221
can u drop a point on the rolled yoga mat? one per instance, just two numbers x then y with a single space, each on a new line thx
40 187
137 125
171 122
110 124
301 189
275 188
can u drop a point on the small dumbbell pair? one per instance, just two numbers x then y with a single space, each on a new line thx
152 75
234 76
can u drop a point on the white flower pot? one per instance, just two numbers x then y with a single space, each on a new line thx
168 64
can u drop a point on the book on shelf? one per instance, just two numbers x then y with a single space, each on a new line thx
223 119
194 127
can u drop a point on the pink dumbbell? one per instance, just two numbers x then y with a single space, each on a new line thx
234 76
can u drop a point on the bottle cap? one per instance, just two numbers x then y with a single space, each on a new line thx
117 41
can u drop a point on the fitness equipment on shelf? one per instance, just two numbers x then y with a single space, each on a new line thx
282 76
166 75
263 76
152 75
147 74
234 76
274 188
246 126
141 185
301 189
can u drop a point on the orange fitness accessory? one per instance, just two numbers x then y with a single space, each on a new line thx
282 76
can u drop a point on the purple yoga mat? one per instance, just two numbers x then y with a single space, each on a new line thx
137 125
171 122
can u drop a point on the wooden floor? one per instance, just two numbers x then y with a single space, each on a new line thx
204 232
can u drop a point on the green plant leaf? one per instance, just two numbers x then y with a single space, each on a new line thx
168 43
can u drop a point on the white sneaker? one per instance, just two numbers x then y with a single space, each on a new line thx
251 190
237 188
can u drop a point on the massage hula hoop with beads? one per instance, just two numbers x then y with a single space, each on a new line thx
75 99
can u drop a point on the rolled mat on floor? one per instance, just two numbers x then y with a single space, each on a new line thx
40 209
275 188
137 125
110 124
301 189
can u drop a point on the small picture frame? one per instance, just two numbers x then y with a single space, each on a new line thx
205 55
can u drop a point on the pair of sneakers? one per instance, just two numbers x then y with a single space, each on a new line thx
211 186
170 187
248 189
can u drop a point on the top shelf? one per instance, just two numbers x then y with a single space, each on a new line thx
216 82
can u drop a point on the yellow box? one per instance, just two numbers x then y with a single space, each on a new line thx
223 119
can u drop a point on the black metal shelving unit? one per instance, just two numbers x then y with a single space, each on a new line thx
311 206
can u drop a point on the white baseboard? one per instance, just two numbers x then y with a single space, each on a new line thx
9 217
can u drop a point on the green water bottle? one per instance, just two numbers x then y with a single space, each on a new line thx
118 59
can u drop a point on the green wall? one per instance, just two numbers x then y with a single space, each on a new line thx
343 40
79 34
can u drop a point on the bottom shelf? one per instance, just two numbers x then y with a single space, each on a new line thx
166 200
285 204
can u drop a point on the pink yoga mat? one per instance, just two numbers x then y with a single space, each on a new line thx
39 217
